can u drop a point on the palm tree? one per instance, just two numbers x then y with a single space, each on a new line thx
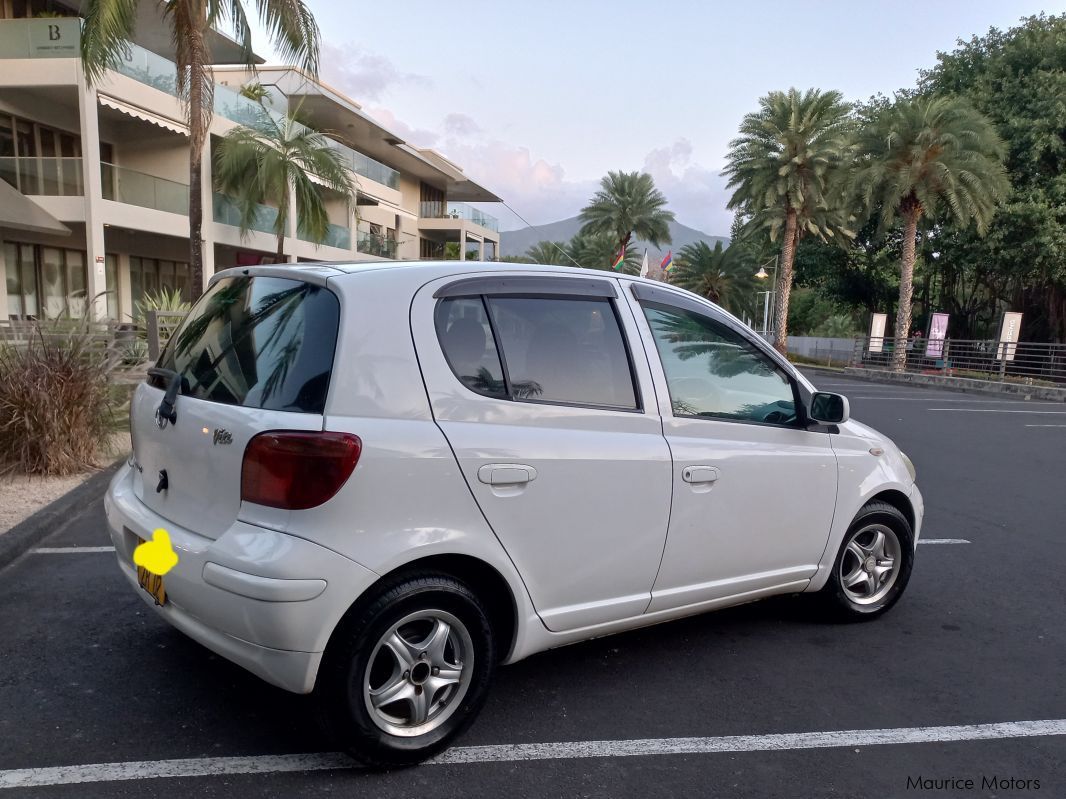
787 171
261 165
925 157
599 251
109 24
548 252
724 275
628 204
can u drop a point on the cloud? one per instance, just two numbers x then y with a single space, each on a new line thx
696 194
417 137
362 75
461 125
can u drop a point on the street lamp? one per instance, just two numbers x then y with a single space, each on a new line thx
767 319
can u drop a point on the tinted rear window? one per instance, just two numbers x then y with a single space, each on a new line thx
260 342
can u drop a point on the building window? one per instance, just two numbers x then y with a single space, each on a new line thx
149 275
37 159
44 281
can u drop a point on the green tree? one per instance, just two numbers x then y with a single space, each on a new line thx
628 204
787 170
1017 78
723 275
548 252
109 25
257 166
927 157
599 251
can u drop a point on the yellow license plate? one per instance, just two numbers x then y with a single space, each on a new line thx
152 583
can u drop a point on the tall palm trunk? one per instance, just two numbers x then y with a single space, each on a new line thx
198 124
906 287
281 248
784 288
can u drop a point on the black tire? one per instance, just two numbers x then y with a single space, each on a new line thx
353 650
840 604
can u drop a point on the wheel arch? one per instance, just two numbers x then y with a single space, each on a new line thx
898 500
483 579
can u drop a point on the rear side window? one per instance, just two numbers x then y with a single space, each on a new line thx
260 342
554 349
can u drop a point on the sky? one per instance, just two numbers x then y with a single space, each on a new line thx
538 100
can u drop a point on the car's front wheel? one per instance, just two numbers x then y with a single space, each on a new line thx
873 565
409 671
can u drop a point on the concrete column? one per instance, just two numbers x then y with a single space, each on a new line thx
481 250
207 229
353 229
462 242
96 272
290 228
125 292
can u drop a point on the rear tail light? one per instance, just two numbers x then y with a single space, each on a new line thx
296 470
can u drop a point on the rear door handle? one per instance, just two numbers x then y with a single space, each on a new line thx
497 474
699 474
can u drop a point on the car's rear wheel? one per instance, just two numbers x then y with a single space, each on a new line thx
408 671
873 564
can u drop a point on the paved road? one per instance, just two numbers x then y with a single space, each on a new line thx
88 675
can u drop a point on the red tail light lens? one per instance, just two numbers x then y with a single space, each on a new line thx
296 470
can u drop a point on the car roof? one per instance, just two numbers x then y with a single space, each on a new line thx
430 269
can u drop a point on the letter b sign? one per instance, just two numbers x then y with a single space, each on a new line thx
53 33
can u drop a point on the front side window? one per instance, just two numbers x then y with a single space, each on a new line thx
554 349
260 342
715 372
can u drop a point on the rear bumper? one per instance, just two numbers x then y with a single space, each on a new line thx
265 600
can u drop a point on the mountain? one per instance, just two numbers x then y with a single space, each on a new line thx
516 242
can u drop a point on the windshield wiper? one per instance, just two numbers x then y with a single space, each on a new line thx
166 412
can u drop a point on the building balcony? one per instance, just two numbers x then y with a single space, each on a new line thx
137 188
377 245
452 210
227 212
52 37
46 177
336 236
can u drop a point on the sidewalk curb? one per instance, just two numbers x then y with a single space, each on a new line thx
962 385
51 517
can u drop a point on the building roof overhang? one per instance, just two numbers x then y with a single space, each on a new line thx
19 212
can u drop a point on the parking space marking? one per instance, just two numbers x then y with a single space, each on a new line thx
1046 425
69 550
943 541
514 753
996 410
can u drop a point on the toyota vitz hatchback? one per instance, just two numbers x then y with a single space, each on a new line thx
382 480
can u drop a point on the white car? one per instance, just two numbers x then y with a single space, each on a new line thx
382 480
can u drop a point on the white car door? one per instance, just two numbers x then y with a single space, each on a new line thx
754 489
554 424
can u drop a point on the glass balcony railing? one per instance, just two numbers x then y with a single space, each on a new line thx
336 236
52 177
52 37
441 210
137 188
226 212
375 244
150 69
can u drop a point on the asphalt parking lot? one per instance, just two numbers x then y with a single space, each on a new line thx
90 679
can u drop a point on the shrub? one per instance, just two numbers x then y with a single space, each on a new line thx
55 402
163 300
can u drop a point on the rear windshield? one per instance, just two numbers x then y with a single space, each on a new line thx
260 342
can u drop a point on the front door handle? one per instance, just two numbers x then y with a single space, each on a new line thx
500 474
699 474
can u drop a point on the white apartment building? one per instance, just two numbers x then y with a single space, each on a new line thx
94 191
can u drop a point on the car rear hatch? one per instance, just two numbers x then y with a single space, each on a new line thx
255 354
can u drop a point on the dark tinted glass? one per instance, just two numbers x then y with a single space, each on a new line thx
564 350
466 338
261 342
712 371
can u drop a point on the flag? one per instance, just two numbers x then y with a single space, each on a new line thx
668 261
619 260
644 266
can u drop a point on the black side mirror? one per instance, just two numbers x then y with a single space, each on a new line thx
829 408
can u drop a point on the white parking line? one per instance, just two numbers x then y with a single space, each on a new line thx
1046 425
995 410
70 550
513 753
943 541
968 401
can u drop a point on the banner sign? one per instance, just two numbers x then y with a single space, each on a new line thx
1009 332
938 331
877 332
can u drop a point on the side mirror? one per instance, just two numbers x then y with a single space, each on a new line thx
829 408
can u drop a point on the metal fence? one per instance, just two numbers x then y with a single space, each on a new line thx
1020 362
